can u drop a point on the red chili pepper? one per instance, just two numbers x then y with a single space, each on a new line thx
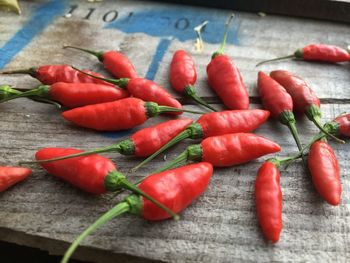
339 126
146 90
304 98
227 150
344 124
268 199
117 115
94 174
216 123
280 104
50 74
317 52
12 175
324 169
176 189
226 80
73 94
115 62
183 76
142 143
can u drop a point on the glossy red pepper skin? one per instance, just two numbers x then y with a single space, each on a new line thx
226 80
182 71
303 96
176 189
268 199
277 100
324 169
237 148
324 53
213 124
50 74
148 140
109 116
231 121
12 175
148 90
87 173
343 122
119 65
80 94
274 97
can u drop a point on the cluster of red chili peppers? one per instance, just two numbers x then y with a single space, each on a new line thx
106 104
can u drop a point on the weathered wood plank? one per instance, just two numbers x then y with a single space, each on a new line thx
255 39
221 226
332 10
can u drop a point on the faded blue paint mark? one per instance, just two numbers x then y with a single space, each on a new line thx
116 135
178 22
160 52
42 16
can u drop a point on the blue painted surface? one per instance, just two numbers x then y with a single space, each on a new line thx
158 56
176 22
42 16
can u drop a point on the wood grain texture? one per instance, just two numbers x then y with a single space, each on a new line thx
333 10
220 226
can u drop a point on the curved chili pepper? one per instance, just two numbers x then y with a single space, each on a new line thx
317 52
12 175
50 74
176 189
74 94
226 80
146 90
280 104
324 169
304 98
268 199
183 76
142 143
216 123
117 115
115 62
227 150
94 174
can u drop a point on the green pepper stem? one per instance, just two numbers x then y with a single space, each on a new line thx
316 121
170 109
119 82
224 40
117 210
98 54
183 157
47 101
129 186
190 92
111 148
293 129
180 137
41 91
275 59
289 160
30 71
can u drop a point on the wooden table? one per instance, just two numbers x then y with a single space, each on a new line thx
221 226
